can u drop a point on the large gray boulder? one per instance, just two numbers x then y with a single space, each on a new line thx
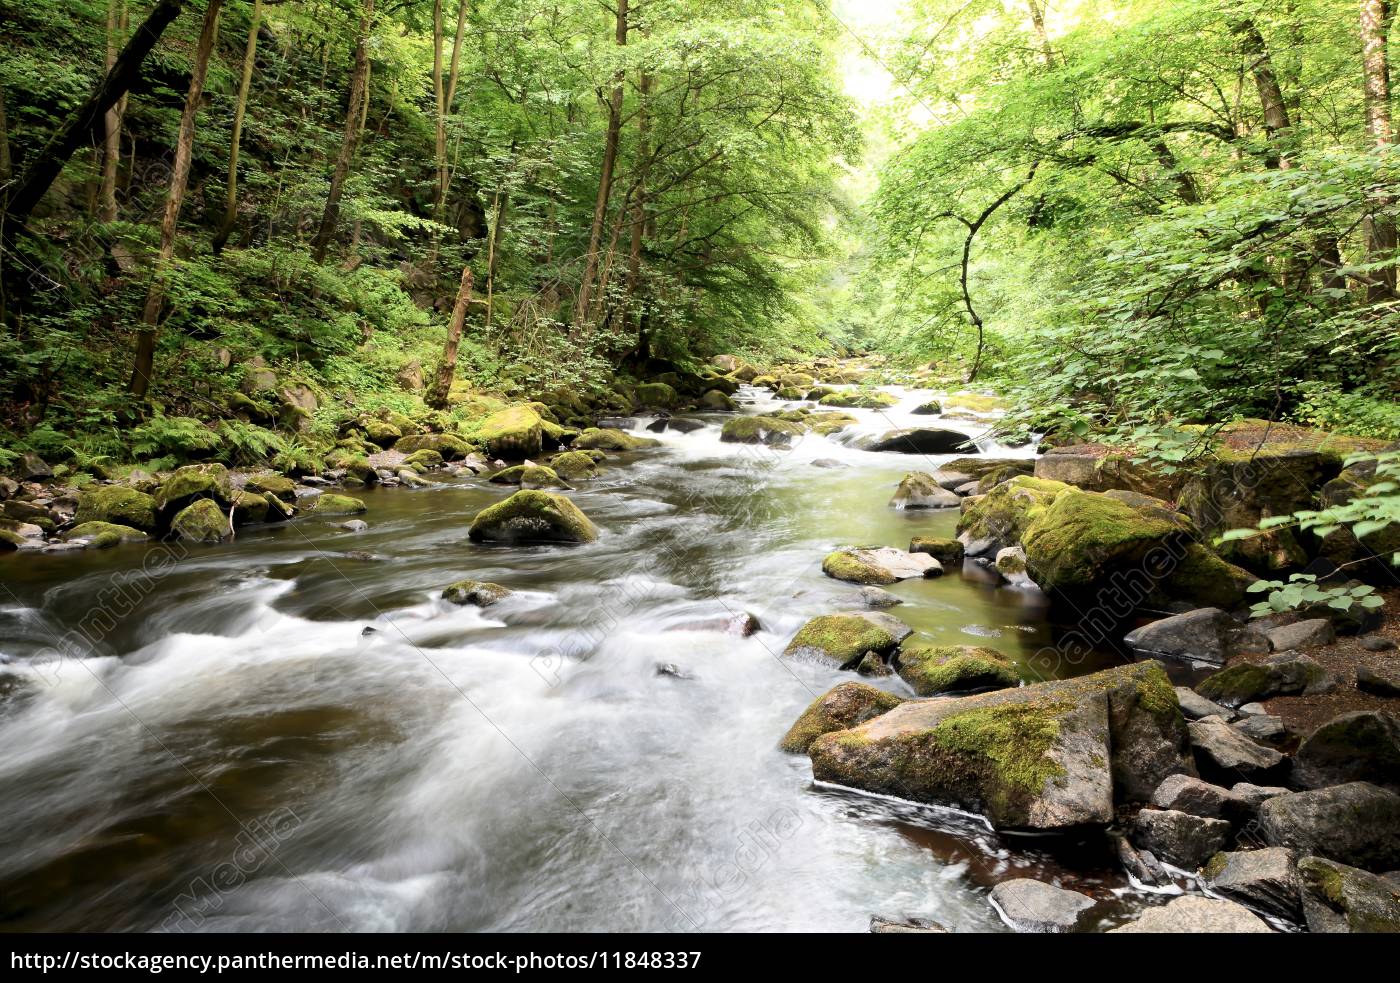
1031 906
1285 674
879 565
1179 838
1206 635
1265 880
1354 747
1302 635
920 490
918 440
1357 824
1191 915
1185 793
1047 756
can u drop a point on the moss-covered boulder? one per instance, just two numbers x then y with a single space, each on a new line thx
533 516
846 706
657 395
796 380
1361 746
1250 682
194 482
529 476
1342 899
574 465
329 503
717 402
1082 539
512 434
767 430
1201 577
1001 517
1053 755
934 669
101 535
977 467
249 508
423 460
841 640
827 423
921 490
118 505
448 446
1100 467
606 439
477 593
1256 469
381 432
948 552
860 400
275 484
201 522
879 566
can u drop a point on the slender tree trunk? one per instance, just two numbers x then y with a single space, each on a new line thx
359 79
82 125
1276 120
240 107
112 120
6 169
1038 22
175 197
498 206
1380 237
639 204
453 71
600 208
440 119
447 368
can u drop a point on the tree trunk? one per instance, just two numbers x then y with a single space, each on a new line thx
240 107
1380 231
639 210
112 121
359 78
82 125
5 167
448 367
440 118
600 208
1276 121
175 197
453 71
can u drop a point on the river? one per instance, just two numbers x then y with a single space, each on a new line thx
292 732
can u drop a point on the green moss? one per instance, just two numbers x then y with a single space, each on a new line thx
930 670
612 440
1004 513
201 522
329 503
829 423
274 483
975 402
448 446
194 481
797 380
842 565
1240 684
1204 579
119 506
848 705
477 592
423 460
656 394
948 552
760 430
1083 536
533 516
528 476
101 535
574 465
858 399
1013 739
512 433
840 638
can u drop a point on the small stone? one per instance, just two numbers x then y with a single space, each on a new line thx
1030 906
353 525
1222 750
1257 795
1194 706
1302 634
1378 643
1263 728
909 926
1379 682
877 597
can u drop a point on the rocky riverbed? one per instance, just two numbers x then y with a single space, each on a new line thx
550 671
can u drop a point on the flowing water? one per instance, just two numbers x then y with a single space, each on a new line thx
292 732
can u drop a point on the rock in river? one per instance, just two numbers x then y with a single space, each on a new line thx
533 516
843 639
1192 915
1265 880
1205 635
884 565
1030 906
931 670
917 440
475 592
920 490
846 706
1046 756
1179 838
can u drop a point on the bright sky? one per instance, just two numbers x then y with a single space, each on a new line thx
866 80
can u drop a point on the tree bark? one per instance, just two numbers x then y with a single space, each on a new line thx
359 78
1380 229
440 118
5 167
1276 121
240 107
447 368
174 198
82 125
112 120
639 210
600 208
